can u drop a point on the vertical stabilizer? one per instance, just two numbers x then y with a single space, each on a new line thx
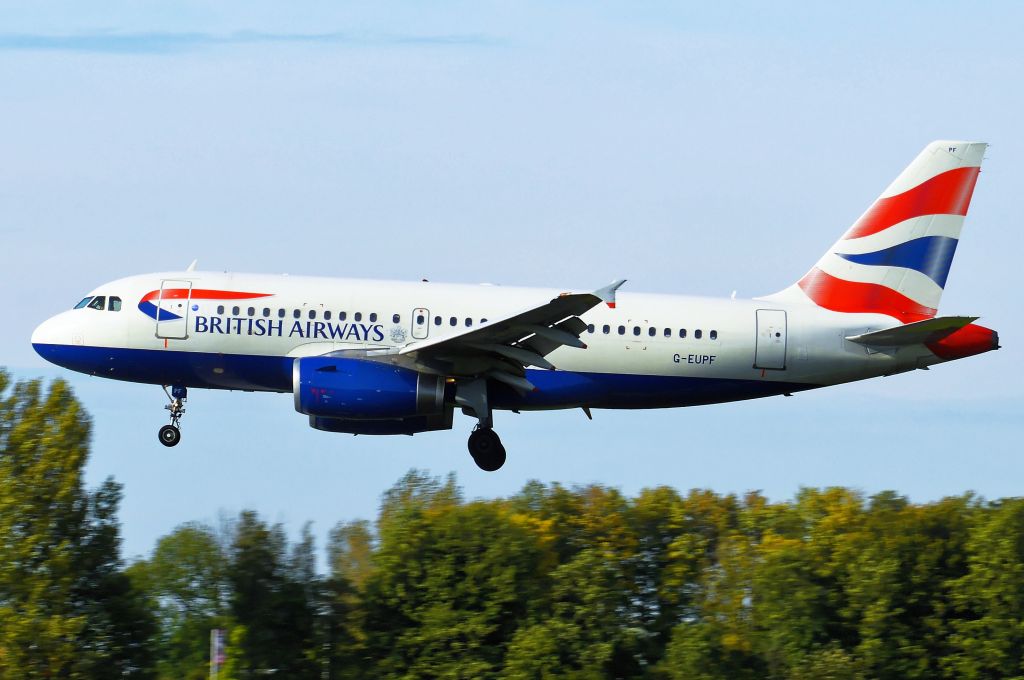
894 260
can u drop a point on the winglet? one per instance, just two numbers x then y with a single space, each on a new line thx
192 267
608 292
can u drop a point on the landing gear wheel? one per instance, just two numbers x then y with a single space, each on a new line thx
486 449
169 435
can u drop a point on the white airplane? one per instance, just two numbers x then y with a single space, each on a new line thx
386 357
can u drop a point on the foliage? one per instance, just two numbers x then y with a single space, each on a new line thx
553 582
67 609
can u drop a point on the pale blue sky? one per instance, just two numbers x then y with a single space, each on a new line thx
688 148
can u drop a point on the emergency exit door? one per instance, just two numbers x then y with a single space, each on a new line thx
420 323
770 350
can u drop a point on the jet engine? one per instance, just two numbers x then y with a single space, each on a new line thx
369 397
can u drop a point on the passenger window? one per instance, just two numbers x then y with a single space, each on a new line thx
398 319
590 328
606 329
280 313
453 321
327 315
483 320
342 316
312 314
419 320
682 332
714 335
99 302
266 311
696 334
652 331
220 309
437 321
469 322
83 303
252 311
668 332
115 304
297 313
636 330
622 330
373 317
234 311
358 316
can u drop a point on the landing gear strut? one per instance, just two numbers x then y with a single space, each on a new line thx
170 435
484 443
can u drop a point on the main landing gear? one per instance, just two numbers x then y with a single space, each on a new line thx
170 435
486 449
484 443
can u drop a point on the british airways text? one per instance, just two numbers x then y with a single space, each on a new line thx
299 329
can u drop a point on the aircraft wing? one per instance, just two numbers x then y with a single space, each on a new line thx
502 349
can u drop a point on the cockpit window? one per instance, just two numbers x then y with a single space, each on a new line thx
115 304
99 302
83 303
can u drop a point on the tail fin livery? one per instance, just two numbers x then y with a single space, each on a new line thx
894 260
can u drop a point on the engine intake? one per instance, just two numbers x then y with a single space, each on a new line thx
358 389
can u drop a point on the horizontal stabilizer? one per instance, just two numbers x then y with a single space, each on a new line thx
929 330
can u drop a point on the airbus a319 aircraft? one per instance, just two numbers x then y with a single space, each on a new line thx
384 357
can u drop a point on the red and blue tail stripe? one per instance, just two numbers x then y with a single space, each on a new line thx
931 255
896 258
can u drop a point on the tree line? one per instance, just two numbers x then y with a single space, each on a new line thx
552 582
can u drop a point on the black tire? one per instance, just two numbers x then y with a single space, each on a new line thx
169 435
486 449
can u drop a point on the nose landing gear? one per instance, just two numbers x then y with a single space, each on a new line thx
170 435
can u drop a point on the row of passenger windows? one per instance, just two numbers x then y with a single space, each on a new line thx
421 320
327 315
653 332
100 302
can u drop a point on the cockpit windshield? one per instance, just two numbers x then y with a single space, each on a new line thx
100 302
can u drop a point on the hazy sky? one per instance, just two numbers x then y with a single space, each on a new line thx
688 148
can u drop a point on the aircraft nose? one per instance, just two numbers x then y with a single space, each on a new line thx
43 334
49 335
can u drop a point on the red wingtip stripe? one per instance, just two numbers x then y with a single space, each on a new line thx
948 193
611 305
839 295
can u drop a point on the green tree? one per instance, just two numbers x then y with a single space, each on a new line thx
989 628
186 578
588 632
452 582
66 607
272 598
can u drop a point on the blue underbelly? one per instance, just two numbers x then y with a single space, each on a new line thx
555 389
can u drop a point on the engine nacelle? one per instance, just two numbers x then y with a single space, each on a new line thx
408 426
357 389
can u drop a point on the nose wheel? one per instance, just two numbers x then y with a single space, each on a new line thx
170 435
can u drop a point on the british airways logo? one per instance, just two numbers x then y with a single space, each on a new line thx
157 304
277 328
